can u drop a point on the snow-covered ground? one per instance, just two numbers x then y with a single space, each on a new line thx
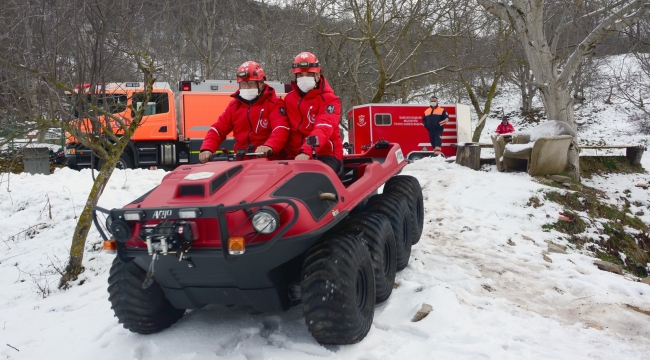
479 264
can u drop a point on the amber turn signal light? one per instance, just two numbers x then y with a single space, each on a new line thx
236 245
109 245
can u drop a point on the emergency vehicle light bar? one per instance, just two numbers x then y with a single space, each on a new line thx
185 86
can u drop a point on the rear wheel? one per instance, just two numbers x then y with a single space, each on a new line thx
409 187
143 311
338 290
396 208
378 235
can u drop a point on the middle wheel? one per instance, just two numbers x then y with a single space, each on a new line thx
378 235
396 209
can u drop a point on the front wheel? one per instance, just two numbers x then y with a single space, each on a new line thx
143 311
124 162
338 290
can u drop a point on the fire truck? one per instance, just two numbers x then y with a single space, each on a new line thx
173 127
402 124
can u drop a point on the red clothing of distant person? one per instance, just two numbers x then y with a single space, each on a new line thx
262 122
504 129
317 113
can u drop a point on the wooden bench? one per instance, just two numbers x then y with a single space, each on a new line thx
481 145
633 153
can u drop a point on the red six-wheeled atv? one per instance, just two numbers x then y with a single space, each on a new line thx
270 234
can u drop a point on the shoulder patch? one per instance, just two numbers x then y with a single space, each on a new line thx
330 109
283 111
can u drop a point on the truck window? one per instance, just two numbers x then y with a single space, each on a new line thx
158 103
383 119
350 123
113 103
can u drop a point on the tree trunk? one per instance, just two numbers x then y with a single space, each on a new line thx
479 129
74 266
559 106
469 155
634 154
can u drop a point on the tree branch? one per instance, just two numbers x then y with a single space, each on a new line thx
614 22
411 77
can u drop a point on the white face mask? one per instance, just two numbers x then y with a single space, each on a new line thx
306 83
248 94
434 104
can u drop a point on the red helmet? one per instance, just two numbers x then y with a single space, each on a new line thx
250 70
305 62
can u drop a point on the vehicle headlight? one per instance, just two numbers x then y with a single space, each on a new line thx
266 220
109 221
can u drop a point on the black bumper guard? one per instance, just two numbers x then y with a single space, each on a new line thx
217 211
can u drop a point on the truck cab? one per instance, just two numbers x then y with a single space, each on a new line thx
173 126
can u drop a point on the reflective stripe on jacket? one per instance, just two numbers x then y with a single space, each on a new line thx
432 118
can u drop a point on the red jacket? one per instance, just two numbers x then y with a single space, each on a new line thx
263 122
316 114
504 129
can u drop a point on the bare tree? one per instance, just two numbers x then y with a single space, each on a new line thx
375 42
57 46
109 143
552 71
210 27
480 53
523 78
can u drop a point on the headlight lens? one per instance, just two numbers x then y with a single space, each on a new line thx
191 213
109 221
265 220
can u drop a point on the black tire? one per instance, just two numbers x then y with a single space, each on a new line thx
378 236
143 311
414 157
396 208
338 290
125 162
409 186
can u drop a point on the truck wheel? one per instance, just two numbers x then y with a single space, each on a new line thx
143 311
125 162
414 157
380 240
409 187
396 208
338 290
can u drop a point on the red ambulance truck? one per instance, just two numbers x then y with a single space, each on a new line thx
402 124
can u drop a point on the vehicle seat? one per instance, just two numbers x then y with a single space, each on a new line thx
352 169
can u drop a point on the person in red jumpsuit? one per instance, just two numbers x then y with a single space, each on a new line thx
313 110
256 116
505 127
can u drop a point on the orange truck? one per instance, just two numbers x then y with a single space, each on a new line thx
172 130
